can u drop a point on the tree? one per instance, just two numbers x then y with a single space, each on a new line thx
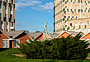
63 48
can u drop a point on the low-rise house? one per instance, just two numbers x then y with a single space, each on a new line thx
67 33
62 34
18 37
52 36
10 39
38 36
4 40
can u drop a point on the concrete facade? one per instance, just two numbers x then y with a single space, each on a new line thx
72 10
7 15
78 25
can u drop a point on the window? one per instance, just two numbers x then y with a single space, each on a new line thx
17 41
83 30
72 16
65 6
87 23
0 5
11 24
76 24
65 12
77 30
5 43
71 24
76 12
88 30
64 16
2 25
11 1
81 23
7 26
66 23
6 0
5 15
68 16
0 14
5 9
66 2
76 17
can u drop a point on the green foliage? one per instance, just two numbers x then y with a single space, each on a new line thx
73 27
64 48
4 3
79 27
13 5
85 26
63 28
68 28
4 18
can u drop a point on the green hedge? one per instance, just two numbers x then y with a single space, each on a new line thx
64 48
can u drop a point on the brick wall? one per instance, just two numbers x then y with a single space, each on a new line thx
2 36
23 38
41 37
65 34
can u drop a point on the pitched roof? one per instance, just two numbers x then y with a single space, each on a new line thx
73 33
4 33
14 34
85 35
52 35
35 35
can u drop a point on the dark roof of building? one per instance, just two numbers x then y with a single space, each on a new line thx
4 33
14 34
35 35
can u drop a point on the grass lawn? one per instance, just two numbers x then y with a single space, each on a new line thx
6 56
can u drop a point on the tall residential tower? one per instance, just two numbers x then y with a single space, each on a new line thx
73 15
7 15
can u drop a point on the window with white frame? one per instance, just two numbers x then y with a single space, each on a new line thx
5 43
16 42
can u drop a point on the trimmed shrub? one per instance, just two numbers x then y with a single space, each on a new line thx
64 48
